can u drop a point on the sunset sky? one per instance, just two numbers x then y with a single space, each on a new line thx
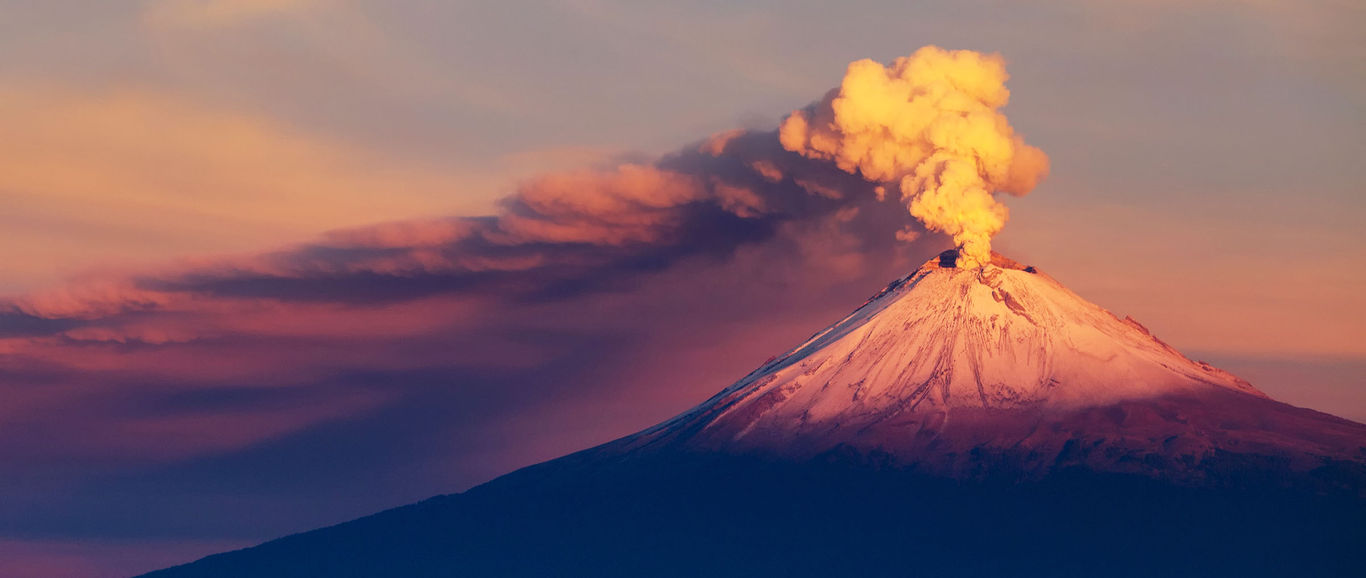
276 264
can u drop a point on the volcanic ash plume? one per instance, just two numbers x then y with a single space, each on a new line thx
930 123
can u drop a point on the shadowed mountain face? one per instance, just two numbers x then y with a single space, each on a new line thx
961 422
718 516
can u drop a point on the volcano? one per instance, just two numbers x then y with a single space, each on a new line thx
966 372
961 422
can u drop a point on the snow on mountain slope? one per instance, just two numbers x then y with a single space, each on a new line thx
948 366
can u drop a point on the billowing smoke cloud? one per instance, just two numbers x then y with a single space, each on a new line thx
931 124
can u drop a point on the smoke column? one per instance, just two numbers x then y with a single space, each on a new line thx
930 124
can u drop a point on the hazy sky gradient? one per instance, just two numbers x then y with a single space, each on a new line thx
1206 180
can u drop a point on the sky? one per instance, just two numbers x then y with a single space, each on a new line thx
270 265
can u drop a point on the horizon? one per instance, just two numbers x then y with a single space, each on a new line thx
272 265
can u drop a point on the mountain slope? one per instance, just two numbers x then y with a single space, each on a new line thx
947 364
962 422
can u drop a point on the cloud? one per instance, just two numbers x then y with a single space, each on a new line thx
130 175
219 13
558 234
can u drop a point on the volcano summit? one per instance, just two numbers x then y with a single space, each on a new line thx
949 365
963 421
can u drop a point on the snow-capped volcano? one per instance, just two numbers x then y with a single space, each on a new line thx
962 422
948 368
999 336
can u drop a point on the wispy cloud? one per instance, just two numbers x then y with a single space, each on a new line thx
220 13
149 175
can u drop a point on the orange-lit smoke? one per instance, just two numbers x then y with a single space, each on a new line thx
931 123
